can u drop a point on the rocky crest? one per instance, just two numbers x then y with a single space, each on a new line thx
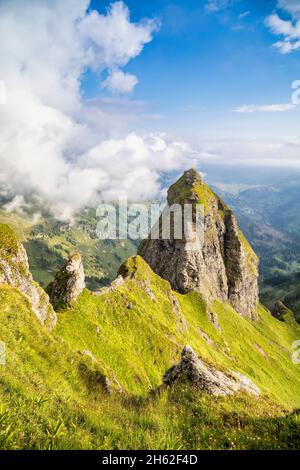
222 266
68 284
281 311
14 271
207 378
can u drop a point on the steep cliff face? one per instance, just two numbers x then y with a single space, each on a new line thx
14 271
68 284
221 265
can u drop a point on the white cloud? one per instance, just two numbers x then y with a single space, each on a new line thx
291 6
54 145
113 38
288 29
214 6
17 204
266 108
120 82
244 15
135 163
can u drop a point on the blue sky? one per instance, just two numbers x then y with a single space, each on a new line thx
202 64
105 99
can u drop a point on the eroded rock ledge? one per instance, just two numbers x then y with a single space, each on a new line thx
208 379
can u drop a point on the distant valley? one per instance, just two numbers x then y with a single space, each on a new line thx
270 218
268 215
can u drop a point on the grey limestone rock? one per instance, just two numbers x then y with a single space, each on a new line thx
14 271
208 379
221 266
68 284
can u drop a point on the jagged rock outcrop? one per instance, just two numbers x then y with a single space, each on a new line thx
207 378
282 312
68 284
221 266
14 271
118 282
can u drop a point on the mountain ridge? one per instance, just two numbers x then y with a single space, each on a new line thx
100 370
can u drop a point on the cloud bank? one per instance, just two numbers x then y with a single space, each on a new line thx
55 145
273 152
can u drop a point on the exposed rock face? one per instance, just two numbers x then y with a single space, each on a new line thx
119 281
221 266
14 271
68 284
207 378
281 311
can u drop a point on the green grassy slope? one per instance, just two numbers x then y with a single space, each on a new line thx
269 218
141 333
52 395
49 243
285 288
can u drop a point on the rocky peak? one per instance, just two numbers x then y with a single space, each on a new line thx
185 189
68 284
184 186
222 267
14 271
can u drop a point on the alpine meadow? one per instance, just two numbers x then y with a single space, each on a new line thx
149 229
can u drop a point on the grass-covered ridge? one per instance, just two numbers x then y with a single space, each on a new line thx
8 242
139 330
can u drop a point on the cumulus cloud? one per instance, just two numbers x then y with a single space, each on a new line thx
55 145
292 6
288 29
266 108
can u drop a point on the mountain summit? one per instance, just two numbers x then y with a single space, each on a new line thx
223 267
